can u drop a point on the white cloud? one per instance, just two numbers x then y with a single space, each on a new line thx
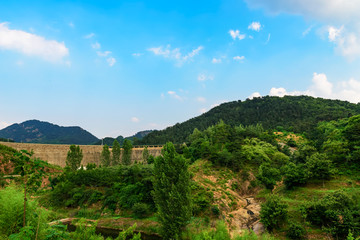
135 119
202 77
268 39
136 54
174 95
201 99
31 44
71 24
3 124
103 54
235 34
239 58
111 61
202 110
218 103
90 35
254 95
175 54
322 87
334 33
256 26
326 10
96 45
307 31
216 60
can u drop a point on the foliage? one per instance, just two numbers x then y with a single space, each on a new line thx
127 149
145 155
273 212
268 175
294 113
140 210
295 175
74 157
105 156
319 166
172 192
116 152
337 212
296 231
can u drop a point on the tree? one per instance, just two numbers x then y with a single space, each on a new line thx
268 175
295 175
31 171
172 191
319 166
273 212
145 155
127 149
116 152
105 156
74 157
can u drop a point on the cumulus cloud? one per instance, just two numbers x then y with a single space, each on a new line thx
322 87
174 95
96 45
103 54
202 110
201 99
31 44
90 35
135 119
235 34
216 60
175 54
326 10
254 95
111 61
202 77
239 58
344 13
256 26
3 124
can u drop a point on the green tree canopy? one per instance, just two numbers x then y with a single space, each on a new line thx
127 149
74 157
172 191
116 152
105 156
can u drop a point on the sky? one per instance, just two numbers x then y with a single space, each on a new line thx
119 67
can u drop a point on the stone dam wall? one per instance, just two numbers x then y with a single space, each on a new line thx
56 153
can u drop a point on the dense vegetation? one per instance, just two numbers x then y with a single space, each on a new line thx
292 113
134 138
35 131
307 185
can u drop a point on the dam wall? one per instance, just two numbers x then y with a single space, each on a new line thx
56 153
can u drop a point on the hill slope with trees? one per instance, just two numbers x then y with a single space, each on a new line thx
293 113
35 131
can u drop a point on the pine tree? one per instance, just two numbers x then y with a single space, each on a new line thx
127 149
74 157
105 156
116 152
172 192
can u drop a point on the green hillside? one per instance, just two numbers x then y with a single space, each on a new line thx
293 113
34 131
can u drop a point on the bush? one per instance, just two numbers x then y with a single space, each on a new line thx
140 210
296 231
273 212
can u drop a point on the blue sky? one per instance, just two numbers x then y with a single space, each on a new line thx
118 67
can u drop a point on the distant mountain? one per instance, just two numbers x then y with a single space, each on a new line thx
109 140
35 131
292 113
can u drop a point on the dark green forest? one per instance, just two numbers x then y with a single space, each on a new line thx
299 114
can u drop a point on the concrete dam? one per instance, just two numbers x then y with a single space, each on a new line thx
56 153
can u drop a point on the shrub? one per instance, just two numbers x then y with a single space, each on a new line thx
273 212
296 231
140 210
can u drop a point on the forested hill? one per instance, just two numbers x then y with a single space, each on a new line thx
293 113
34 131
